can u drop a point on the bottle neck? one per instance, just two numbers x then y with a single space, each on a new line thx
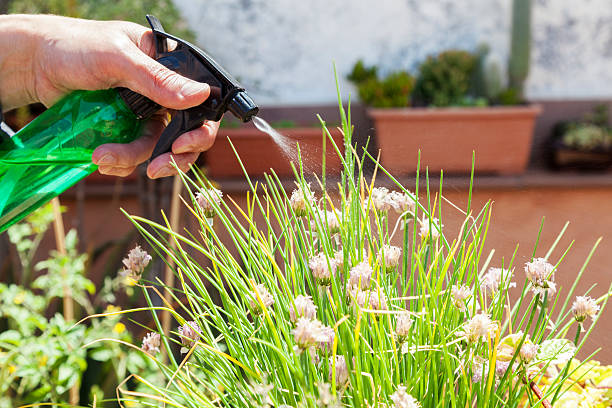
142 106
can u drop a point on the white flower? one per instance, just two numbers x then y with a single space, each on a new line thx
540 273
528 351
403 323
479 327
459 295
401 399
299 198
401 202
307 333
151 343
135 263
391 256
501 367
490 282
360 275
327 339
380 199
207 199
342 373
583 307
339 259
302 306
266 299
424 230
189 334
378 300
321 270
361 297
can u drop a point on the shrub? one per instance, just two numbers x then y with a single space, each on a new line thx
445 79
392 91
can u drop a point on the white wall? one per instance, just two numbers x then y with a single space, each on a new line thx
282 50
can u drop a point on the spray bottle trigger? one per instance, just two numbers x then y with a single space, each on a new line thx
161 44
175 128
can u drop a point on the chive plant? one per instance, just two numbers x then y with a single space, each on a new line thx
333 301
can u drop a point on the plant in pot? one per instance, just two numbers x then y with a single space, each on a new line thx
260 152
584 144
459 108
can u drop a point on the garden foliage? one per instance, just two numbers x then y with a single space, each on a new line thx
42 355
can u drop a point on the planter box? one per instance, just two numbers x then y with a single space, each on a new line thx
259 152
501 137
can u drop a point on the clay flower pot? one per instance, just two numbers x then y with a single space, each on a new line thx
501 137
259 152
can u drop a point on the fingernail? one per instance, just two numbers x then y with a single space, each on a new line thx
185 149
192 88
164 171
107 159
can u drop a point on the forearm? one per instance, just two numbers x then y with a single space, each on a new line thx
19 40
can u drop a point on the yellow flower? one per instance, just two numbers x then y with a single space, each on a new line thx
119 328
112 309
12 368
19 298
42 361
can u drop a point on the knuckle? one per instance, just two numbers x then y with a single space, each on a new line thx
163 77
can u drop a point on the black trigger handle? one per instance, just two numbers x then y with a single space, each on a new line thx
161 44
180 123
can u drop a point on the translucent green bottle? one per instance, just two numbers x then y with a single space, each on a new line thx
53 152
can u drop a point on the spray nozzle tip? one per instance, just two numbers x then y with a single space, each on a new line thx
243 107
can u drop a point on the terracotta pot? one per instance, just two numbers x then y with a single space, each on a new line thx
259 152
501 137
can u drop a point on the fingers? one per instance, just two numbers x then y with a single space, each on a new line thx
144 75
116 171
121 159
129 155
162 166
197 140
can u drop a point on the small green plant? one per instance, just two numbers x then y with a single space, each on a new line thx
42 355
356 295
389 92
592 132
446 79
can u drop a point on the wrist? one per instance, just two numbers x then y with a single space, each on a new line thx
19 41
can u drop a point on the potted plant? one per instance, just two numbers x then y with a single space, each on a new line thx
585 144
458 108
260 152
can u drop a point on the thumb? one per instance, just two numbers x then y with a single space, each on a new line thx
169 89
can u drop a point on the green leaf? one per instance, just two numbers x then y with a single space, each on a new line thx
557 351
102 354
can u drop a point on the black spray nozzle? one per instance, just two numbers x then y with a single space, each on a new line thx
226 94
242 106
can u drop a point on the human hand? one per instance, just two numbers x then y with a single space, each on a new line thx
65 54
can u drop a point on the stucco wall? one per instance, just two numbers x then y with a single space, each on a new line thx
283 50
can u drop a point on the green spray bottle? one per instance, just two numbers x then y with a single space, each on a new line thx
53 152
